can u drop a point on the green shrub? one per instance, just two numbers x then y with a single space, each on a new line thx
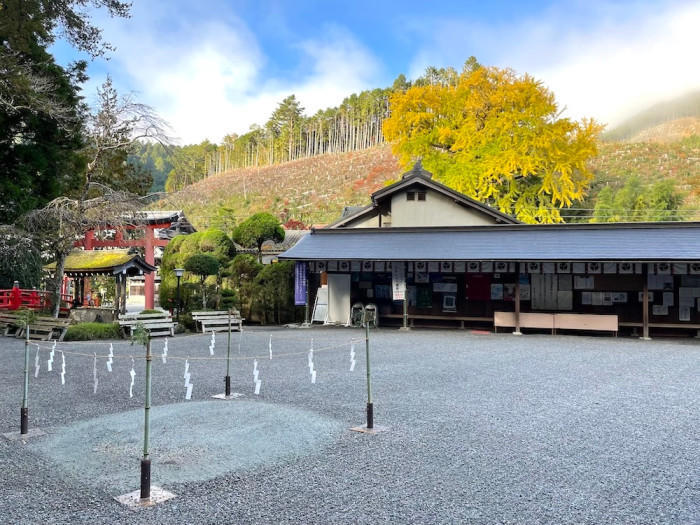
91 331
150 312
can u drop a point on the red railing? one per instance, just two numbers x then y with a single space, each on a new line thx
33 299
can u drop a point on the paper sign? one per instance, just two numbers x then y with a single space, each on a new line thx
94 374
188 393
398 281
36 363
132 373
109 358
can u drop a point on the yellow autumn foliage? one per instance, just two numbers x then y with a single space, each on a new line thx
497 137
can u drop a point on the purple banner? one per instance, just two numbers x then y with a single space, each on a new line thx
300 283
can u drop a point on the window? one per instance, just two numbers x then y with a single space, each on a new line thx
410 196
421 195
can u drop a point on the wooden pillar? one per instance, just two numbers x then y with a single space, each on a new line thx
86 290
149 256
89 241
516 298
124 280
645 304
117 299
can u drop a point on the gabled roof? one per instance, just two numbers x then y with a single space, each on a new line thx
102 262
418 176
662 242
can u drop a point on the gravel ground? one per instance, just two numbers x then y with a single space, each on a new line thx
482 429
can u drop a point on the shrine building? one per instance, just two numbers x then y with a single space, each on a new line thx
425 254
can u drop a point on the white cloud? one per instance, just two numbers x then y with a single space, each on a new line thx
601 60
206 78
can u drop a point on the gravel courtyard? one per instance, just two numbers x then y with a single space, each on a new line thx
482 429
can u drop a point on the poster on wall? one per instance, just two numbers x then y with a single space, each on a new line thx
584 282
496 292
508 292
398 282
659 309
680 268
651 297
594 267
533 267
300 283
619 297
422 277
448 287
524 290
663 269
449 303
626 268
609 267
565 300
563 267
500 267
667 299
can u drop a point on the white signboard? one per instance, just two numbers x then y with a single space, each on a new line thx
398 281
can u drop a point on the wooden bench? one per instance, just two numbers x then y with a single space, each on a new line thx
9 323
157 325
586 322
538 320
461 319
217 320
558 321
46 328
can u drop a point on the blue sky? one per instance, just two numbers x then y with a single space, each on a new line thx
212 67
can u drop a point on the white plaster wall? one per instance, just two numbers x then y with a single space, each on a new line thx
435 210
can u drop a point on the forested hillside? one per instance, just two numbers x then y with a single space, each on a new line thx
305 169
310 191
315 190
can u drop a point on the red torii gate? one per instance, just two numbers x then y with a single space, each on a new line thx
172 222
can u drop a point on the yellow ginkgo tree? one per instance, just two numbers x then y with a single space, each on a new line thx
497 137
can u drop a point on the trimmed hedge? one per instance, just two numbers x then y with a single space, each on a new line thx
91 331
